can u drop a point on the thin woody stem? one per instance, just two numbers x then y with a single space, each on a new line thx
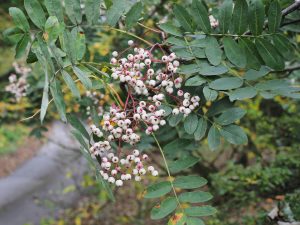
168 170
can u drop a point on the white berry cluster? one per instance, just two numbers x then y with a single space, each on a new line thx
18 86
143 73
147 83
188 103
214 23
118 170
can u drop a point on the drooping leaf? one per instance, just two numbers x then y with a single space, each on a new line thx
19 18
274 16
230 116
162 210
158 189
234 134
213 138
80 45
234 52
83 77
92 11
200 15
269 54
256 16
242 93
213 51
200 211
201 129
59 102
35 12
54 8
134 14
190 123
75 122
240 16
225 14
183 17
73 11
71 84
189 182
45 98
182 163
226 83
195 197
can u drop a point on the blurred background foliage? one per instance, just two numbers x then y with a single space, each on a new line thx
247 181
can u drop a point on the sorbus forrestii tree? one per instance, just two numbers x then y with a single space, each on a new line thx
205 61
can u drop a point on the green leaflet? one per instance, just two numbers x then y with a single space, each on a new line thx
195 197
163 209
190 123
225 14
195 81
183 17
213 138
201 129
213 51
230 115
200 16
182 163
158 189
194 221
226 83
242 93
53 29
57 95
200 211
168 27
73 11
189 182
269 54
134 14
256 16
240 17
22 46
19 18
76 123
92 11
234 134
174 120
234 52
253 59
209 94
35 12
117 10
71 84
54 8
274 16
83 77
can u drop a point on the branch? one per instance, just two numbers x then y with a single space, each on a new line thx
291 8
284 12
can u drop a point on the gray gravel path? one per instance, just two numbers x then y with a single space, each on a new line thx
34 191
